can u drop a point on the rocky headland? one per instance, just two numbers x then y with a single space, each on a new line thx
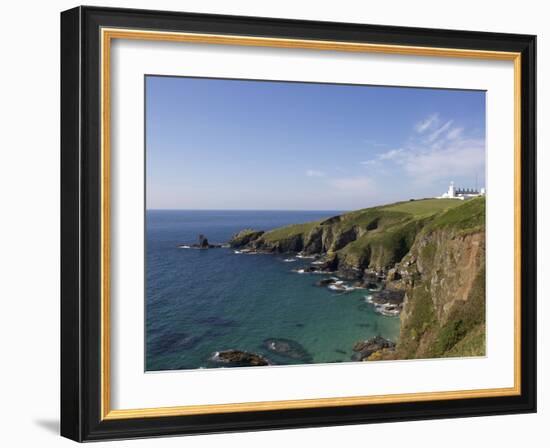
423 260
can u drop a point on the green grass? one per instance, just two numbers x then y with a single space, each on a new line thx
424 207
283 233
470 215
473 344
384 247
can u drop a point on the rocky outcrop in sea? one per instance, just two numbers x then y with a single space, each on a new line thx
239 358
202 243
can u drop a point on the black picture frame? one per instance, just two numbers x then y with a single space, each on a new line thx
81 227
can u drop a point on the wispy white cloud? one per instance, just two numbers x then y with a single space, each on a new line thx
435 151
391 154
387 155
454 133
461 157
426 124
314 173
434 135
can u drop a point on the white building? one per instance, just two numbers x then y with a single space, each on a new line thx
461 193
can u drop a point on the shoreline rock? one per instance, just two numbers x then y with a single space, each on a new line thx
239 358
387 302
364 349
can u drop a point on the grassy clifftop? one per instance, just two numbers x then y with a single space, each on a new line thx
375 238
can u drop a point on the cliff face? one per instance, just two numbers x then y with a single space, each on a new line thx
444 308
373 239
432 250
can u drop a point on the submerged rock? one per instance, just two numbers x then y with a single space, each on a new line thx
288 349
239 358
366 348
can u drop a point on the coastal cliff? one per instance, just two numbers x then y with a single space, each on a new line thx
428 253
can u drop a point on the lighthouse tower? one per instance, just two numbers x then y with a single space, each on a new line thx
451 191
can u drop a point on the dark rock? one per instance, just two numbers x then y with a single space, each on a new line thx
239 358
288 349
373 224
349 272
326 281
366 348
203 242
388 296
328 263
333 220
313 241
342 239
244 237
393 275
373 278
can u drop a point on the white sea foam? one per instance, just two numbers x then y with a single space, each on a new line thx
340 286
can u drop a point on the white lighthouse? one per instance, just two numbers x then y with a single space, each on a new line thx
461 193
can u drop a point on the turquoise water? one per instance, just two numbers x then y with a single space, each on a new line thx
202 301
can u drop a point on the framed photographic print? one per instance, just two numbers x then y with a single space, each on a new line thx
272 223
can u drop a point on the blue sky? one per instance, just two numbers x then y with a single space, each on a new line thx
231 144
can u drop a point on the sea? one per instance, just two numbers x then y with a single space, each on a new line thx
199 302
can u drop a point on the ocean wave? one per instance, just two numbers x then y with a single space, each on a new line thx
340 286
385 309
304 271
